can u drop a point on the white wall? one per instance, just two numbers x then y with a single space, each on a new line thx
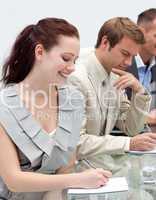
87 15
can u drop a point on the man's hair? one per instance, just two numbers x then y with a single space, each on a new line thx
146 16
116 28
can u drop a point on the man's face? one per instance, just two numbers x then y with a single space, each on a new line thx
120 56
150 37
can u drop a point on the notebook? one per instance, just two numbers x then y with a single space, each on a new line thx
115 184
143 152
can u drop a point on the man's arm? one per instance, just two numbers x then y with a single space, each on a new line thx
93 144
133 114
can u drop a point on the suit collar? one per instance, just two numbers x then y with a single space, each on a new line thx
137 62
133 69
101 81
95 69
153 70
140 63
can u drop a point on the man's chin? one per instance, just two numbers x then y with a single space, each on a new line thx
124 68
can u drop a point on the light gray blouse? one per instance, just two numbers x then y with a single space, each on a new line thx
37 150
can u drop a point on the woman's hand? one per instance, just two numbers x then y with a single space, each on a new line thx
94 178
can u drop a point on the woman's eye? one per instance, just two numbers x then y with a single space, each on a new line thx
66 59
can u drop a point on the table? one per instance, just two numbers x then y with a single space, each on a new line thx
137 190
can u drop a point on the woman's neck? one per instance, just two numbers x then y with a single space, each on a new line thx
37 95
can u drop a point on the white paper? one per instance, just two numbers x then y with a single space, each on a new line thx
143 152
116 184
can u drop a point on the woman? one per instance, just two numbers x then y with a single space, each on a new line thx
40 118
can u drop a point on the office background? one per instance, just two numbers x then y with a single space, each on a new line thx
87 15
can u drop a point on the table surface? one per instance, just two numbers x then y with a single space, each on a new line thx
137 189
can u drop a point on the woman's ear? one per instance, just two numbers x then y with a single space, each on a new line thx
39 51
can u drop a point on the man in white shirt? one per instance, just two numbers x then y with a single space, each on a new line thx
144 64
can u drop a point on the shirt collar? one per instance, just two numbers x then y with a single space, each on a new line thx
140 63
97 68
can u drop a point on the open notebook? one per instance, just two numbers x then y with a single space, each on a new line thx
116 184
143 152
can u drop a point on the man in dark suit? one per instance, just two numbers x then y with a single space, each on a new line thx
144 64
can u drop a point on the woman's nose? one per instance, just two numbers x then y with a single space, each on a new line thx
70 68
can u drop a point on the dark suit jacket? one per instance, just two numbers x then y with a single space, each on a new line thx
133 69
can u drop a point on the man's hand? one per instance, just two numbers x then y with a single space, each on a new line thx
152 117
143 142
127 79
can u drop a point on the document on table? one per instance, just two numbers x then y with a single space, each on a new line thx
116 184
143 152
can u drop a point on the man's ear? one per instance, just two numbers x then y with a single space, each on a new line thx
104 42
143 29
39 51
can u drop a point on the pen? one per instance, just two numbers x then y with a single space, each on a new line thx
88 163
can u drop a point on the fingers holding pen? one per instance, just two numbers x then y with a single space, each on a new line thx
94 178
97 176
105 173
